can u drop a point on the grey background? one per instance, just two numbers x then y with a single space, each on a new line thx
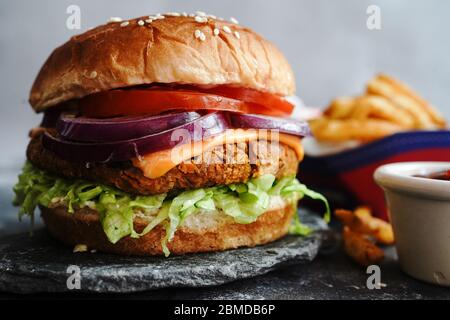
327 43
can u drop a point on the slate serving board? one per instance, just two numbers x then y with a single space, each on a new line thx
40 264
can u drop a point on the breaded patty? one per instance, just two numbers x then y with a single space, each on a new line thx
188 175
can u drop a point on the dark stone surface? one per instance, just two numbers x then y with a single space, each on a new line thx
39 264
329 276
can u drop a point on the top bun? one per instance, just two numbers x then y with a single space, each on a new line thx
174 49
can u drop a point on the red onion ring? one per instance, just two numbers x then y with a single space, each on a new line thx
284 125
117 129
51 117
201 128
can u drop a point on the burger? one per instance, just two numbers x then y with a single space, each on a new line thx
165 134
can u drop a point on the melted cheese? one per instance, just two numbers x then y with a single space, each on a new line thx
157 164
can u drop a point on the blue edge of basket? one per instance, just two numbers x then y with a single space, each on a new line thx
378 150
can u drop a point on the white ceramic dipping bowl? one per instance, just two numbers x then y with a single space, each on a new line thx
419 210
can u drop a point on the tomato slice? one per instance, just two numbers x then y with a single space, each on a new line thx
157 100
269 100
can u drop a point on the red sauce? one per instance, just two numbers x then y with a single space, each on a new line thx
441 175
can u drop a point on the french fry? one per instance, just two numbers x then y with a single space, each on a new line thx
387 107
340 108
423 114
407 91
377 107
363 212
362 221
360 248
335 130
377 228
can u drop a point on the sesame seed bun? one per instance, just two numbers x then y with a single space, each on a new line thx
169 50
205 233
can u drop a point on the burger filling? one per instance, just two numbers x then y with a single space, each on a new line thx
221 165
116 155
244 202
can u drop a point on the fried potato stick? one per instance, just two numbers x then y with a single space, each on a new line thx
340 108
335 130
362 221
420 113
360 249
407 91
381 108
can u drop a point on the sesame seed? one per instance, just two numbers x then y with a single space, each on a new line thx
226 29
156 17
124 24
234 20
172 14
191 15
200 13
184 14
237 35
149 20
141 23
216 31
93 74
201 19
115 19
212 16
199 35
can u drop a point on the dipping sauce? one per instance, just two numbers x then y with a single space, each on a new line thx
441 175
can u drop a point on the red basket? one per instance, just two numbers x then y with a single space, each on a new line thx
352 170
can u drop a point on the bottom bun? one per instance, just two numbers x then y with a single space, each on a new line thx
84 227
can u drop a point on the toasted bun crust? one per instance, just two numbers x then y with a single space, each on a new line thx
83 227
165 51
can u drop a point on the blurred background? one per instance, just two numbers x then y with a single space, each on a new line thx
327 42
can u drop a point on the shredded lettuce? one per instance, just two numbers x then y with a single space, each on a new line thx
116 208
244 202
